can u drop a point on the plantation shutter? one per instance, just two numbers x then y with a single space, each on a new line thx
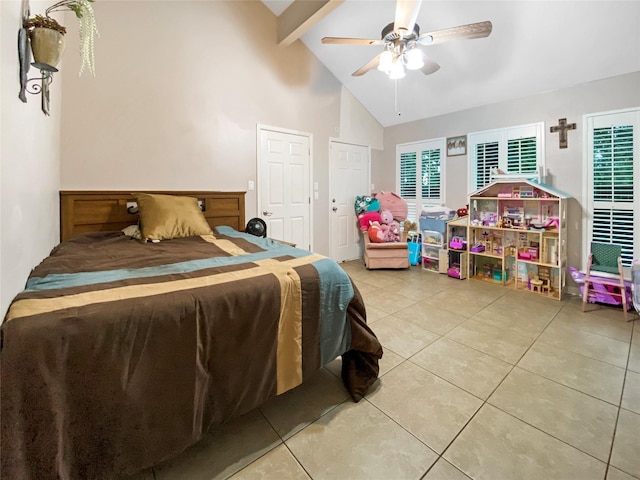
431 175
514 150
420 174
408 183
522 156
486 159
615 198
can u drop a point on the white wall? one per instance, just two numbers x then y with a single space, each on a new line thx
564 166
29 164
357 125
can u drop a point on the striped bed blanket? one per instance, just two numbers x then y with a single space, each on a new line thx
119 354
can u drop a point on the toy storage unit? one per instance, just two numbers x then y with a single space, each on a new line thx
457 262
432 242
517 236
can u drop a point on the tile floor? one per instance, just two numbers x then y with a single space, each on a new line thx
477 381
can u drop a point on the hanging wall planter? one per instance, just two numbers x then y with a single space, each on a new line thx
46 37
47 46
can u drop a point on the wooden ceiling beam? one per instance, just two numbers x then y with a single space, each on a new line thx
300 16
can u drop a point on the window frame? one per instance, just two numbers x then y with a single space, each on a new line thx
502 136
419 148
602 120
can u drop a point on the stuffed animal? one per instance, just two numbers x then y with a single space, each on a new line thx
386 216
365 219
376 235
366 203
394 227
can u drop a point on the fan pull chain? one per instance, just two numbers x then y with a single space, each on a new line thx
397 109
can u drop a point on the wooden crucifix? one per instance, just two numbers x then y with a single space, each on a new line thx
562 127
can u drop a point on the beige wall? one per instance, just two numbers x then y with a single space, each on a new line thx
179 89
564 166
29 164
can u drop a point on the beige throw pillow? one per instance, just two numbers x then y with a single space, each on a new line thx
163 217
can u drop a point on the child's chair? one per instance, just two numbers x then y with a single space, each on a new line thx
605 258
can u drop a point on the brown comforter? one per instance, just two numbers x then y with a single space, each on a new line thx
120 354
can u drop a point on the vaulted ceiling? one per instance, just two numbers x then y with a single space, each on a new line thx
535 46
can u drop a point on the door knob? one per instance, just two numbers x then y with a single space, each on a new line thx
266 213
335 209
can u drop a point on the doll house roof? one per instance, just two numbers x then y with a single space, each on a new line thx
506 187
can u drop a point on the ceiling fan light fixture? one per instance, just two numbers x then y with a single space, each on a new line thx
386 61
413 58
397 70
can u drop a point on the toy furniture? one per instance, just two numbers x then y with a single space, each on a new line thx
385 255
604 278
519 226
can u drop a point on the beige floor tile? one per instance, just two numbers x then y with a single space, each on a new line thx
402 337
573 417
524 304
357 441
584 342
634 357
293 410
224 452
505 345
593 377
415 290
389 361
443 470
373 314
635 339
626 447
497 446
469 369
278 464
427 406
631 393
531 324
616 327
451 300
388 303
431 317
614 474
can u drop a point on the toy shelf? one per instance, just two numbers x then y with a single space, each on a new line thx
521 228
456 248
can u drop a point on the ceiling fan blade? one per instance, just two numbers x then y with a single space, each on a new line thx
472 30
429 66
369 66
406 15
351 41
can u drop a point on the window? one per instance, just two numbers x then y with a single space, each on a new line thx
420 174
514 150
612 172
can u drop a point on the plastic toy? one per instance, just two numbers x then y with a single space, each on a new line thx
477 248
454 270
601 293
458 243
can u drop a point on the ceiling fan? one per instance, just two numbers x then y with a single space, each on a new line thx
401 40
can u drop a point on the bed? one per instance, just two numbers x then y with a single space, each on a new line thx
120 354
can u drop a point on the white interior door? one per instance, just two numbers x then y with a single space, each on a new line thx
284 200
349 176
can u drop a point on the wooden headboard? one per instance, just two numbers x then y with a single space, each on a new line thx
95 211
